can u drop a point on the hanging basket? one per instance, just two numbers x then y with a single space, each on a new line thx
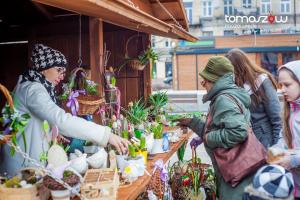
10 102
133 63
88 104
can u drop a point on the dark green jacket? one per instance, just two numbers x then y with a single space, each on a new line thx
228 128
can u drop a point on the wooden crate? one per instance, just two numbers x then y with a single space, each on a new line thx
100 184
19 193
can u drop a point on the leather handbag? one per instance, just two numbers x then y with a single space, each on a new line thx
241 160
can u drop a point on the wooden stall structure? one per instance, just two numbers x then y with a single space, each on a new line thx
83 30
86 28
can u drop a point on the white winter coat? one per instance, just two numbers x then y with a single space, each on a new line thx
33 98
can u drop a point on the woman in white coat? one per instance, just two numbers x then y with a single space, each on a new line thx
35 95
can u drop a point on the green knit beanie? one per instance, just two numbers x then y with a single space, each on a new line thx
216 67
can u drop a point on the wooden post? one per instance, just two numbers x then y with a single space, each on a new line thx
96 52
148 74
279 59
96 56
175 71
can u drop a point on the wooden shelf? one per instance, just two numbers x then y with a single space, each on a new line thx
132 191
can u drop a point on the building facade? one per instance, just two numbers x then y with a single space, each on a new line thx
235 17
268 31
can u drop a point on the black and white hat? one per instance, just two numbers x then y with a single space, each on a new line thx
274 181
44 57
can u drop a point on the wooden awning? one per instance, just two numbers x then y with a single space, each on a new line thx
122 13
174 7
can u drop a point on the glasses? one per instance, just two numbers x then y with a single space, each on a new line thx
61 71
203 83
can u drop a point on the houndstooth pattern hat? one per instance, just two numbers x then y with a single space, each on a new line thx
274 181
44 57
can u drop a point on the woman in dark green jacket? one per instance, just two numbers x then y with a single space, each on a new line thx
229 126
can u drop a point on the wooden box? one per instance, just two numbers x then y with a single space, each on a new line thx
100 184
19 193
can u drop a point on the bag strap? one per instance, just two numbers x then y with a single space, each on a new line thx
209 116
236 101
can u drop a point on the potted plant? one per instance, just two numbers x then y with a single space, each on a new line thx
141 149
156 102
58 191
23 186
90 148
157 130
139 62
137 114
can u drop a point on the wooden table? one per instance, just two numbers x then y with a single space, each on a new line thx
132 191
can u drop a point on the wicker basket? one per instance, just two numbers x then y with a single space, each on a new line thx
10 102
156 184
36 192
134 63
88 104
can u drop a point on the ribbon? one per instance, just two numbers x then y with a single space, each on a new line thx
118 105
72 101
159 164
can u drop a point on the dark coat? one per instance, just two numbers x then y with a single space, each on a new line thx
265 117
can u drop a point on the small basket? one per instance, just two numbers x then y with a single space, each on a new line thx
156 184
88 104
10 102
134 63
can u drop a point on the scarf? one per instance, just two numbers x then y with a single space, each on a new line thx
35 76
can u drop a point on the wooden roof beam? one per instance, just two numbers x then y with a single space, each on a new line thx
43 10
122 14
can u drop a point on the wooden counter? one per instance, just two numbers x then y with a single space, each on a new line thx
132 191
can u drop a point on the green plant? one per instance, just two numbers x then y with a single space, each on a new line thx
148 54
157 101
54 140
141 145
137 112
186 115
132 151
157 130
89 86
14 122
88 143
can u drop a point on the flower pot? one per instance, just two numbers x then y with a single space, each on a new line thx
157 146
98 159
144 154
90 149
121 162
149 142
60 194
139 163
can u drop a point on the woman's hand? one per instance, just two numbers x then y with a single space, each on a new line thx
119 143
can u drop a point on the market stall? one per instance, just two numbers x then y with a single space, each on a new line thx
107 45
